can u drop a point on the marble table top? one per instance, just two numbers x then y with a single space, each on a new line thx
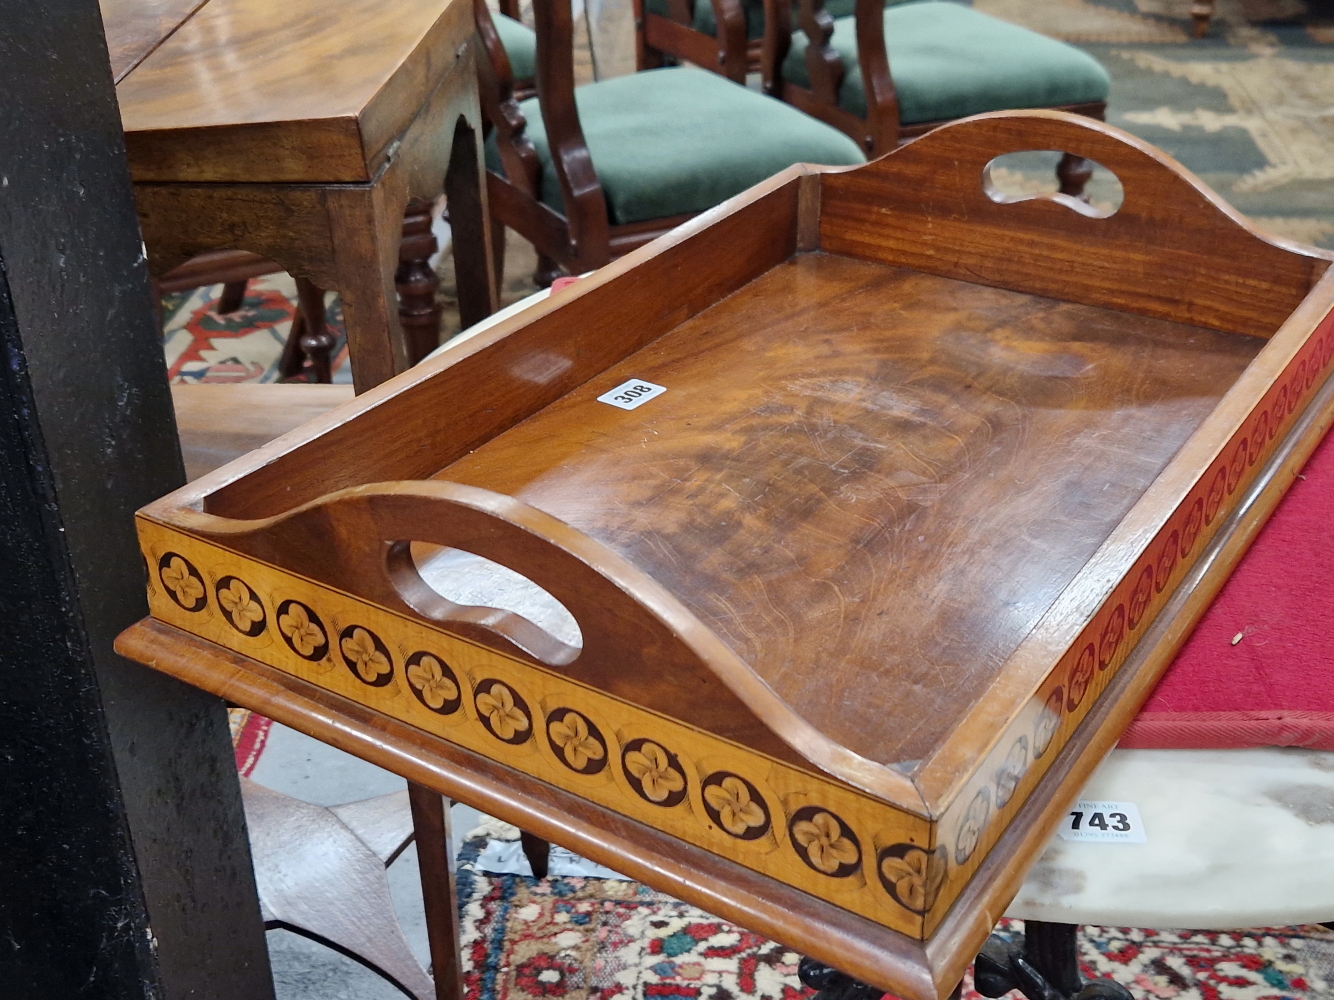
1233 838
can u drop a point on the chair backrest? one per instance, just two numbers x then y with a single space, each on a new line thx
823 65
587 226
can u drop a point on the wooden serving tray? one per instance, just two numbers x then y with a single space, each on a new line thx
862 596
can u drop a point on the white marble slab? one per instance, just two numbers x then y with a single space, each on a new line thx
1235 838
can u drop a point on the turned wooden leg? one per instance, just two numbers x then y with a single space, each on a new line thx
1074 172
537 851
547 271
417 283
430 820
233 296
470 223
317 340
1201 12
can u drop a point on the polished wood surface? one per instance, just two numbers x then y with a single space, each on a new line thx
248 90
219 423
134 28
300 135
917 971
935 441
884 469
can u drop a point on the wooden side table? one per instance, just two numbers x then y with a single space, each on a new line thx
300 131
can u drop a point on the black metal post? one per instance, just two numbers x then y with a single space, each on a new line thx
126 869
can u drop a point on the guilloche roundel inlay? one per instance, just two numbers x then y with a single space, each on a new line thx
576 741
302 630
735 805
366 655
433 682
912 875
502 712
240 606
824 842
182 581
654 772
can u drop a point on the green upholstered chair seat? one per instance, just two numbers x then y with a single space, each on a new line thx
670 141
949 61
520 42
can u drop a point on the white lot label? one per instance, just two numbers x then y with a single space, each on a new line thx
630 394
1109 822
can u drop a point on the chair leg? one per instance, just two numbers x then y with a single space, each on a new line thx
1074 172
430 820
537 851
317 342
417 283
233 296
547 271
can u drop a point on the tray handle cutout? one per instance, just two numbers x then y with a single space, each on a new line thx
1173 250
1027 175
639 642
457 587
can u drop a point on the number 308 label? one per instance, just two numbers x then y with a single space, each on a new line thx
1110 822
635 392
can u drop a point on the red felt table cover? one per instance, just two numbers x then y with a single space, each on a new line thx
1275 686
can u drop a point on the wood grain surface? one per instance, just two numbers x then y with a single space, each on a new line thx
134 28
219 423
886 473
248 90
1173 250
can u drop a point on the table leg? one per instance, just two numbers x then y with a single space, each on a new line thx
366 224
430 820
470 222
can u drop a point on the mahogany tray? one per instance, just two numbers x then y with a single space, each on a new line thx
940 480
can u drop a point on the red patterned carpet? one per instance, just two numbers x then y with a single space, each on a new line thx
600 939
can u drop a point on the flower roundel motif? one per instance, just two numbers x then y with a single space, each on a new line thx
1167 561
825 842
182 581
1238 464
576 741
1191 529
654 772
1011 771
1139 599
433 683
735 805
974 822
1214 500
911 875
1080 675
1049 720
503 712
1259 438
366 656
1281 408
303 631
1112 634
240 606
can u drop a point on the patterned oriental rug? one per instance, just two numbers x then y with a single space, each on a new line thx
604 939
1250 109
